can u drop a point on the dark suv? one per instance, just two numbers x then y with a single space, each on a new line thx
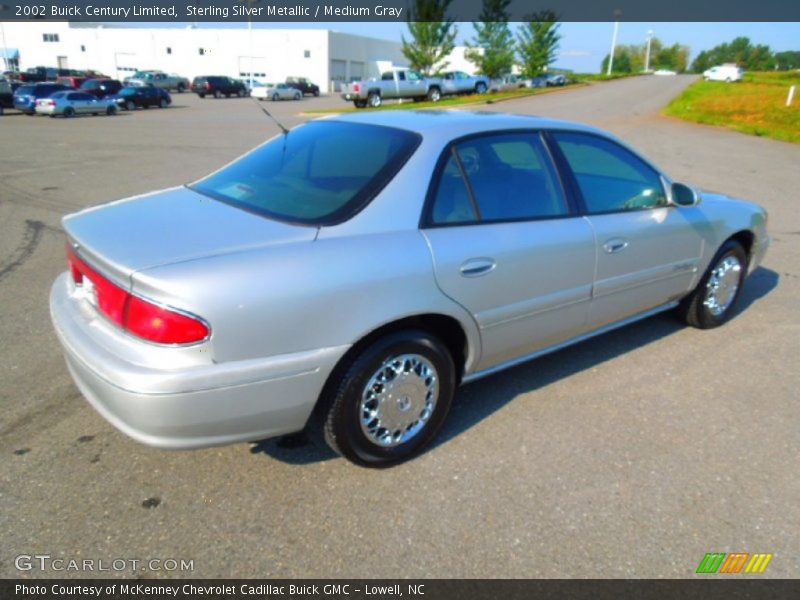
303 84
218 86
101 87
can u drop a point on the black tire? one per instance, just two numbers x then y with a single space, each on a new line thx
434 94
240 94
162 103
480 88
202 95
342 405
217 94
694 309
298 96
316 93
275 97
69 112
181 88
111 111
360 103
374 100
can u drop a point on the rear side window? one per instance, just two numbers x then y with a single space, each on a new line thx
310 175
610 177
503 177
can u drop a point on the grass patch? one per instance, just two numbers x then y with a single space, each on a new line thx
756 105
448 101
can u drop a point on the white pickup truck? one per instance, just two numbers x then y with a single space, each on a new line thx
393 84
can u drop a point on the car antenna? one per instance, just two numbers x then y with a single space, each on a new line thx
274 120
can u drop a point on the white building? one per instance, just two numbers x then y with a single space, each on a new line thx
325 57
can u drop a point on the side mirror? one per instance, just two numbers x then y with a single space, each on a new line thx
683 195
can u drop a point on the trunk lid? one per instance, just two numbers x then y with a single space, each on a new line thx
170 226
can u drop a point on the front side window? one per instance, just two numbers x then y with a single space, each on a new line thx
503 177
306 177
610 177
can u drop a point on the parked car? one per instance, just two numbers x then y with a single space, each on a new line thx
25 96
218 86
727 73
101 87
172 334
555 79
664 72
283 91
304 85
159 79
459 82
72 81
509 82
70 104
261 91
39 74
397 83
132 97
6 95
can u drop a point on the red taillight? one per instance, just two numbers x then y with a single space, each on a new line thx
356 88
136 315
208 86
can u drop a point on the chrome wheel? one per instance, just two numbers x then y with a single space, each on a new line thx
398 400
722 285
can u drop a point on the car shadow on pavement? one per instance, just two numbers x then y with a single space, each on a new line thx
477 401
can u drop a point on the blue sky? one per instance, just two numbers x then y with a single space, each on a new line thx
584 45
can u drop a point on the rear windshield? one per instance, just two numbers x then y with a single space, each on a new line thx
319 174
25 90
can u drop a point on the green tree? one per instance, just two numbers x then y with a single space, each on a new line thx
493 49
537 42
790 59
740 51
632 58
433 35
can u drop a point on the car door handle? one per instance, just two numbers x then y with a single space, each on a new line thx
475 267
615 245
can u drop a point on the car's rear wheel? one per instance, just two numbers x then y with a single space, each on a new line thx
434 94
181 88
374 99
69 112
202 95
391 400
316 93
297 96
275 97
240 93
714 299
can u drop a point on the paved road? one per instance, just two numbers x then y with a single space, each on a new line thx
630 455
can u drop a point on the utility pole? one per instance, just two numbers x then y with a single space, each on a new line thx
4 7
613 43
647 55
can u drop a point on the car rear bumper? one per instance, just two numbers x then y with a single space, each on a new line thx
190 407
46 110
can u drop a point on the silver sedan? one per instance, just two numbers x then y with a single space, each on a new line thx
360 268
70 104
283 91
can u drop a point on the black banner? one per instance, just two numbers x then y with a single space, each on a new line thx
422 589
391 10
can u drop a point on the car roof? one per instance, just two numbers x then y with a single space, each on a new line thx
457 123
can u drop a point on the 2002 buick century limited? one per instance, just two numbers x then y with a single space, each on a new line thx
366 265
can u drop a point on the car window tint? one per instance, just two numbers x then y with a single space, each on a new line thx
511 178
610 177
305 176
452 203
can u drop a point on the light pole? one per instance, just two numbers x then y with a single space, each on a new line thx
617 14
647 55
4 7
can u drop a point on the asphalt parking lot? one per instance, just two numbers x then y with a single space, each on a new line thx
630 455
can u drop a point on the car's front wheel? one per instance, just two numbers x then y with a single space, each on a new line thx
130 105
391 400
714 299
